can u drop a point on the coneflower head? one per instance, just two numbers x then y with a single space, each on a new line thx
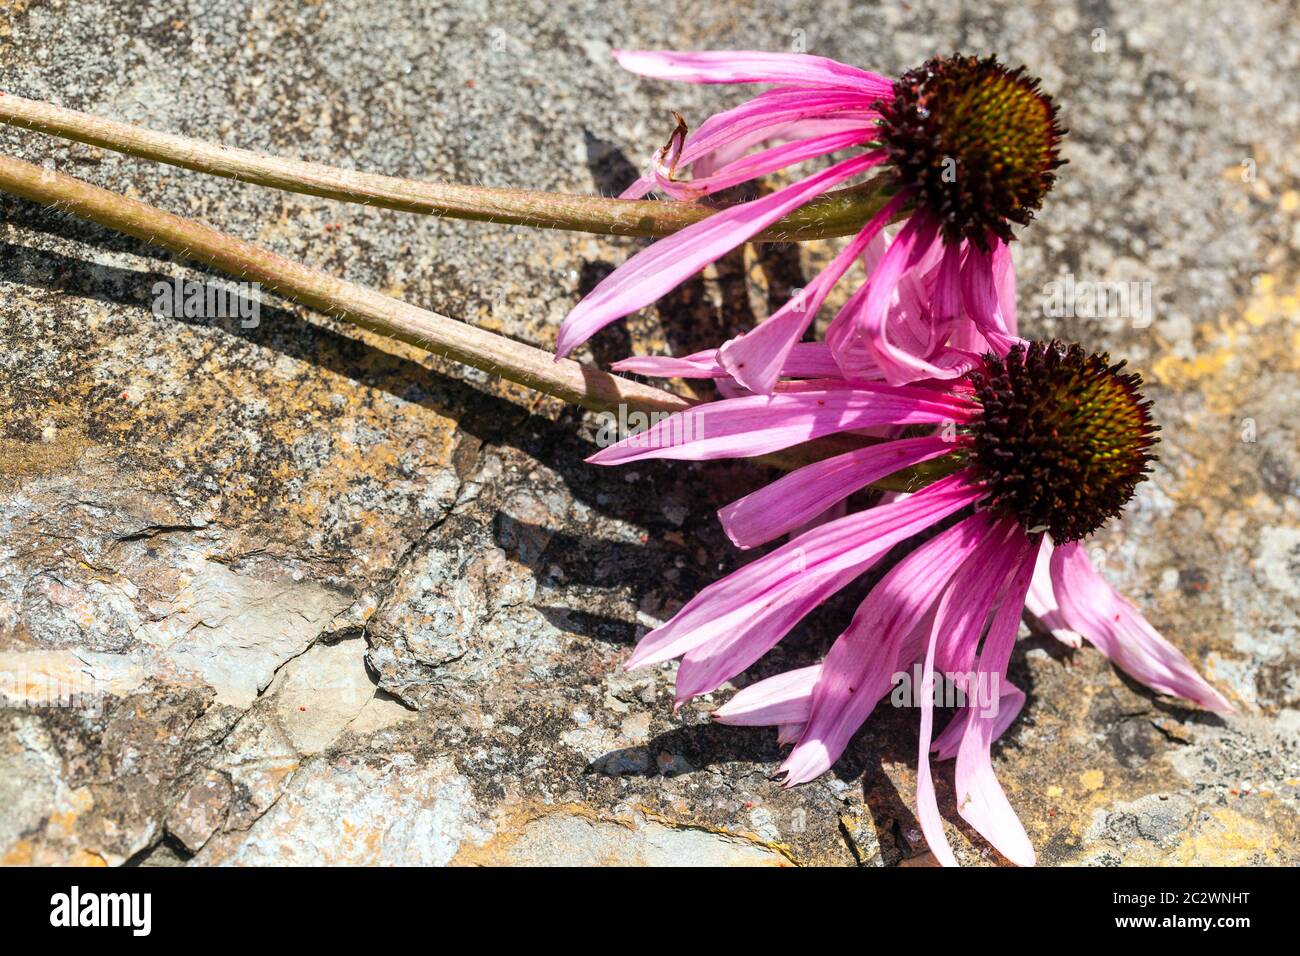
977 143
1063 439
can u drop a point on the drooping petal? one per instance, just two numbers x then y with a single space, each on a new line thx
705 667
775 115
781 699
1011 700
810 360
981 301
806 360
1112 625
758 424
726 136
858 669
762 163
798 497
1041 602
869 311
755 360
787 701
702 364
946 303
667 263
977 585
1004 280
709 163
980 798
958 625
818 563
752 66
927 806
788 733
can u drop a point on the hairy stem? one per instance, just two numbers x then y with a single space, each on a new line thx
839 213
479 348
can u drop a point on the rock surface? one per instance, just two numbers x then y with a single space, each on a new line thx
305 596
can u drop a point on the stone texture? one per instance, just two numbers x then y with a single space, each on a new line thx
305 596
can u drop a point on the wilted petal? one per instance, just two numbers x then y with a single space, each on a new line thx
1041 602
752 66
858 669
927 806
980 798
762 163
781 699
705 667
1011 701
758 424
982 303
755 360
702 364
1115 628
868 311
1004 280
750 604
803 494
663 266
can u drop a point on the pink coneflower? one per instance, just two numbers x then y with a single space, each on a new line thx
1036 450
972 147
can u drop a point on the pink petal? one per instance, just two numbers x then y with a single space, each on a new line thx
780 113
669 262
810 360
698 365
858 668
1041 602
963 610
1010 702
927 806
758 424
726 136
788 733
755 360
1115 628
710 664
806 360
857 117
980 798
781 699
1004 279
977 585
768 161
707 666
981 301
802 495
947 290
816 563
786 699
751 66
870 310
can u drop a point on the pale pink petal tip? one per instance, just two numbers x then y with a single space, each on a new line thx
1119 631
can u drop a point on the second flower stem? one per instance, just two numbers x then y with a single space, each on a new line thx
515 361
